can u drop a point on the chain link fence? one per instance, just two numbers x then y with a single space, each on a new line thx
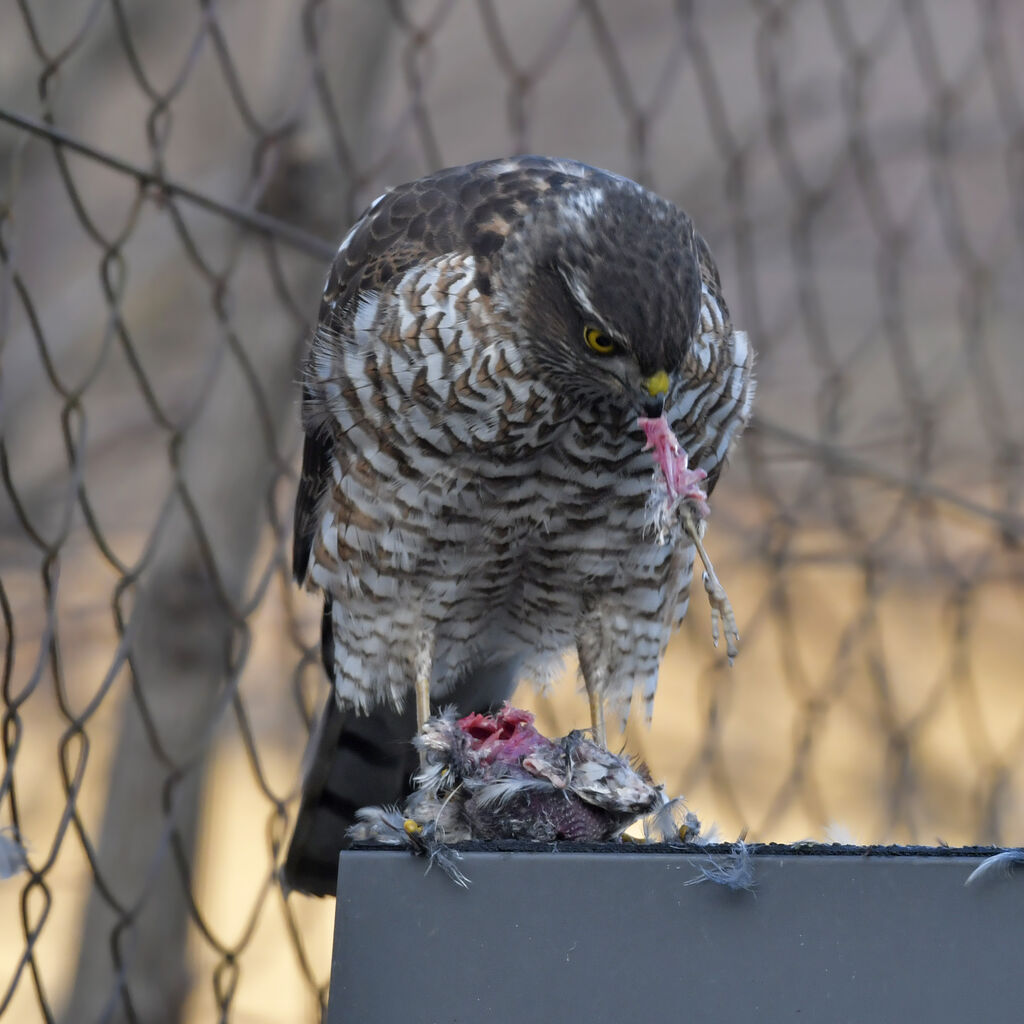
173 180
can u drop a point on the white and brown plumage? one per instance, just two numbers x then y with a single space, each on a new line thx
475 491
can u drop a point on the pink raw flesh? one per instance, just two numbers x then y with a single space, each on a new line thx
508 736
681 482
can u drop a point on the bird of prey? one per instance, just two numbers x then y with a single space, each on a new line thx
499 346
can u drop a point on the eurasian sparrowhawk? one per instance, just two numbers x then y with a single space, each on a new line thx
477 496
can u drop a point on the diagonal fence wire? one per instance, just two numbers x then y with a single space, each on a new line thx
170 179
258 222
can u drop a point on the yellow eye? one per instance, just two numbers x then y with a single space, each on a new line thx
597 341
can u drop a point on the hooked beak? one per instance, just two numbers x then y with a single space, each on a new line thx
656 386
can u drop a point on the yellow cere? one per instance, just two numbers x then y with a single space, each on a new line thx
598 341
657 383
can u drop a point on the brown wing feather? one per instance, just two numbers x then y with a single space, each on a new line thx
316 454
461 209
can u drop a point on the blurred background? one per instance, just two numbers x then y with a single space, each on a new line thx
173 181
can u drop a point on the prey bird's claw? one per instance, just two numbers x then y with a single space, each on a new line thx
722 615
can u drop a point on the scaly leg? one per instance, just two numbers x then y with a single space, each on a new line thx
424 666
593 669
597 717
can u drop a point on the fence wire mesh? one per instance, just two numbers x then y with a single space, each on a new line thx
173 180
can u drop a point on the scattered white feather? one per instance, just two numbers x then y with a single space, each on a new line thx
672 823
1001 863
389 825
447 860
735 870
379 825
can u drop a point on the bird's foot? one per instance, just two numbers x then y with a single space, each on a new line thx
723 618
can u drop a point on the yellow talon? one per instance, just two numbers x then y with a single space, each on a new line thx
412 828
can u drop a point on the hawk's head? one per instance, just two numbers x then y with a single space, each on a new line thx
603 282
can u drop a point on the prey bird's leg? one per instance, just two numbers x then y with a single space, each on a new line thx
424 667
597 716
721 608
